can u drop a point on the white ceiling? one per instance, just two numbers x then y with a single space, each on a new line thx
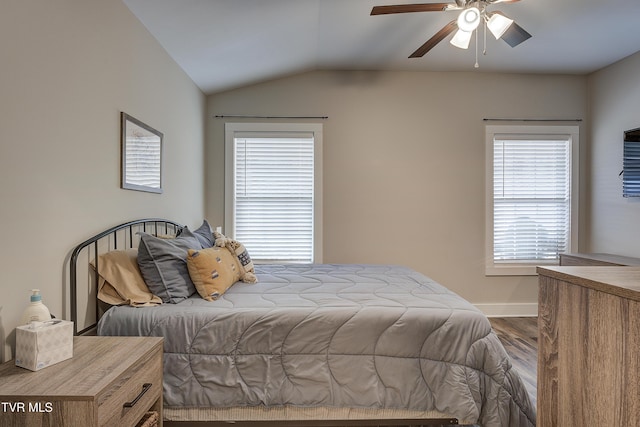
222 44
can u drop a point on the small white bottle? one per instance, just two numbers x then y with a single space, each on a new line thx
36 311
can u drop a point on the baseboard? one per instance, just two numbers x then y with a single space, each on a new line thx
509 310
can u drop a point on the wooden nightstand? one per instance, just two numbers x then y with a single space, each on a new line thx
110 381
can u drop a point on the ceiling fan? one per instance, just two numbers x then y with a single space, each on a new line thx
473 12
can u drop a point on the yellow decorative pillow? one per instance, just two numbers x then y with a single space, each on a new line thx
213 271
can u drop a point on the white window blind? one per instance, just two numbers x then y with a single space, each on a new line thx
532 203
274 203
631 169
531 200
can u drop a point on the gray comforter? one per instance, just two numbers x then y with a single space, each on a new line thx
333 335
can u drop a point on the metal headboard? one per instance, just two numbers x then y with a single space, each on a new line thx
128 239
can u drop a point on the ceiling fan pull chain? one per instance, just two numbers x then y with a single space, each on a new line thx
476 64
484 45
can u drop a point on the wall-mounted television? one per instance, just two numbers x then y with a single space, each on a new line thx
631 163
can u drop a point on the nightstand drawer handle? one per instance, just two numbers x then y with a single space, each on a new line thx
145 388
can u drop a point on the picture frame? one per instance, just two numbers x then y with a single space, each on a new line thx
141 155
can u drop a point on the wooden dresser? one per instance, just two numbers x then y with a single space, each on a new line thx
589 346
109 381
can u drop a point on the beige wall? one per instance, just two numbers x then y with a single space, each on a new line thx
614 107
68 68
404 164
403 152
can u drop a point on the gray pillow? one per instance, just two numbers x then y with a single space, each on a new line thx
163 264
203 234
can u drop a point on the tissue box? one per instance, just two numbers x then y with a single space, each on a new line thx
44 345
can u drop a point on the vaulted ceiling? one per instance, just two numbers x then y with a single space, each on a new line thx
222 44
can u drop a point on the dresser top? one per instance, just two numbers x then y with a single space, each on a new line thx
96 362
621 281
606 258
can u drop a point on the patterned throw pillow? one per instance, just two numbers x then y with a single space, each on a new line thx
247 271
213 271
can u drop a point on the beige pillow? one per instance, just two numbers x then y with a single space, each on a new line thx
121 282
213 271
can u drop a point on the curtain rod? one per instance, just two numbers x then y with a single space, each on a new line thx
243 116
530 120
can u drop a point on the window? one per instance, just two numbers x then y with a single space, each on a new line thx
631 164
273 190
531 196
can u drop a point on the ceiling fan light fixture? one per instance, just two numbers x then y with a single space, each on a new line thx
461 39
469 19
470 14
498 25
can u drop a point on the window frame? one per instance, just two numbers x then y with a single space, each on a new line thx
571 134
231 129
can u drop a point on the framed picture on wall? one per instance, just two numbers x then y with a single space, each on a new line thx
141 156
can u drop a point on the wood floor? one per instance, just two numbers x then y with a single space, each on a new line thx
519 335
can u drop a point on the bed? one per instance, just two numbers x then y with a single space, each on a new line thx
314 341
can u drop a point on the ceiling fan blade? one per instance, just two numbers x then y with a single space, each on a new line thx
515 35
407 8
502 1
433 41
